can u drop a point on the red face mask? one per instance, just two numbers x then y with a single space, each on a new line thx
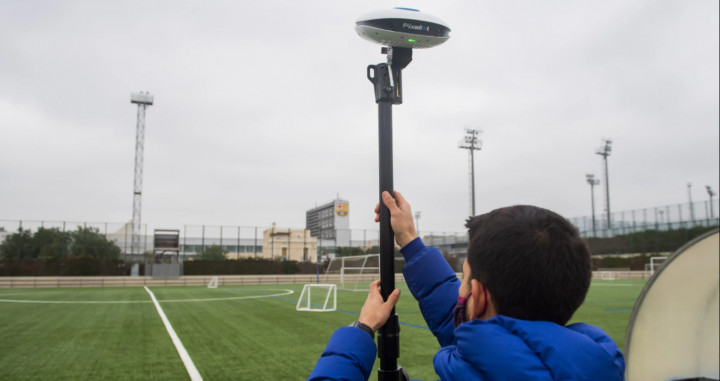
459 315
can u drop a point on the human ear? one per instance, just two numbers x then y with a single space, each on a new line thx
479 299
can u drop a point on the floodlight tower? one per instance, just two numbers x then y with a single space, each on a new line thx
472 144
417 222
143 100
399 30
592 181
711 194
692 207
604 151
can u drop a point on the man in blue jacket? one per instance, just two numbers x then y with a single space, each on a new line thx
526 273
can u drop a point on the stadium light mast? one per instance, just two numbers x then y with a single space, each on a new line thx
592 181
472 144
399 31
692 207
143 100
604 151
711 194
417 222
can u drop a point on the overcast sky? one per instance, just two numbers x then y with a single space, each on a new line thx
263 109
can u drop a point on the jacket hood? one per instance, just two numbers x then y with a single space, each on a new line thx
504 348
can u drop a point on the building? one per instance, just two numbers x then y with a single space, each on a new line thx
252 242
455 245
330 223
288 244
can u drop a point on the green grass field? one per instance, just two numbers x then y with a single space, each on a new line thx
231 333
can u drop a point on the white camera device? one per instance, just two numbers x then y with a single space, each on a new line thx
403 28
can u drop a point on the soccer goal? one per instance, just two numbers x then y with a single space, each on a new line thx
353 273
213 283
655 264
317 297
608 275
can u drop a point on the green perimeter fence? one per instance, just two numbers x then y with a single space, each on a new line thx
640 233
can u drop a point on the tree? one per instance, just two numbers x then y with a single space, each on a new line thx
90 243
213 253
453 261
53 244
50 243
17 245
373 250
348 251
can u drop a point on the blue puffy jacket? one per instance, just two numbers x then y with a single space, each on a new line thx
500 348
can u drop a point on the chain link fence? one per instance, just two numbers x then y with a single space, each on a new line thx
662 218
247 241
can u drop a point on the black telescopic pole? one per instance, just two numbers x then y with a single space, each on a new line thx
387 82
388 335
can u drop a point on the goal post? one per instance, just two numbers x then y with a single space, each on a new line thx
353 273
656 263
317 297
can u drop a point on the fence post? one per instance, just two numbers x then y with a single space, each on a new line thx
124 240
707 215
680 216
657 223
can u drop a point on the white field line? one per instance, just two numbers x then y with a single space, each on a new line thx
27 293
189 365
284 292
74 301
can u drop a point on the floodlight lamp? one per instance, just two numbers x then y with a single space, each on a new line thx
141 98
402 28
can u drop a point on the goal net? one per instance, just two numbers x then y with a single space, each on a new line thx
213 283
353 273
317 297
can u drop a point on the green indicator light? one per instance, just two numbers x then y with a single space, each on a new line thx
411 40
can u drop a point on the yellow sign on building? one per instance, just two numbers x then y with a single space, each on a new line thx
342 209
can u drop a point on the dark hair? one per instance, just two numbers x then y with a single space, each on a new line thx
532 261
